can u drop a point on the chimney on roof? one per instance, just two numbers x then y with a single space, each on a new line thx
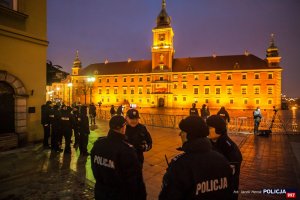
214 55
129 60
246 53
106 61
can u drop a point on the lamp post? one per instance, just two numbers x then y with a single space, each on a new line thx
91 80
69 86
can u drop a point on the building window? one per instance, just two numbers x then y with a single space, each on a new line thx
257 101
196 90
161 78
107 99
256 76
196 77
244 76
124 90
229 77
206 100
206 77
229 90
256 90
99 80
107 80
175 86
218 77
124 79
196 100
131 90
175 77
148 90
99 91
184 77
183 98
107 90
217 101
140 100
148 100
245 101
148 78
175 98
117 100
115 90
206 90
270 75
184 86
231 101
244 90
270 90
132 100
132 79
218 90
270 101
116 79
140 90
140 79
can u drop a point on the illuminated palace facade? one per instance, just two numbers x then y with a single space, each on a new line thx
236 81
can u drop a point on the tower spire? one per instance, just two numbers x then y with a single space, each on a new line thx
164 4
77 62
272 55
163 19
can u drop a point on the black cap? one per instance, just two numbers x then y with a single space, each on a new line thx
133 114
218 123
117 122
194 126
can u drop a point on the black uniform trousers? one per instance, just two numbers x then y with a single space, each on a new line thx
46 134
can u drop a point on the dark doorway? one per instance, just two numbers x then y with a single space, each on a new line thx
7 108
161 102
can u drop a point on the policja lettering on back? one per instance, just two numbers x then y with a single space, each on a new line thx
212 185
104 162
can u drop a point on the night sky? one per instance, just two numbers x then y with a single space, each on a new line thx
119 29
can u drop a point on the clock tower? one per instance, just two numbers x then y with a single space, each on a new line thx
162 47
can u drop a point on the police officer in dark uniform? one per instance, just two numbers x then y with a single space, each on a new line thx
115 165
137 134
194 110
200 172
76 116
67 123
54 116
224 145
224 114
45 121
84 131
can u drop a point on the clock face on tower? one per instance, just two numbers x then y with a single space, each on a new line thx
161 37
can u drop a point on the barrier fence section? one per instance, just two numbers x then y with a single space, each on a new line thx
236 124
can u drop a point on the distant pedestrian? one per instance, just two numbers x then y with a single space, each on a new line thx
194 110
204 112
137 134
224 114
45 121
115 165
92 113
84 131
199 172
112 111
257 118
120 110
224 145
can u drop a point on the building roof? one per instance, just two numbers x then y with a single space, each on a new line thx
202 64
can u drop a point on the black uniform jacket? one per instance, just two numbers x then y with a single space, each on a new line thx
83 122
140 138
116 169
199 173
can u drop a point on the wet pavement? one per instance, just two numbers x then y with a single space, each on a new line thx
36 173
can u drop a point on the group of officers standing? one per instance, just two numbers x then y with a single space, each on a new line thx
60 121
208 168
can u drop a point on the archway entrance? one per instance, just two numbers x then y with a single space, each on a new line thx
161 102
7 108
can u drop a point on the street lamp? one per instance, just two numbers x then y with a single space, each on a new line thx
91 80
69 86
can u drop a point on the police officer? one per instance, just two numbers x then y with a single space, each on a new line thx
194 110
54 117
199 172
84 131
92 112
224 114
115 166
137 134
45 121
224 145
67 123
76 116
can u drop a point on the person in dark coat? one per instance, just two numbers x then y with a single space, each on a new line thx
45 121
54 116
112 110
76 116
92 113
224 114
224 145
137 134
257 118
194 110
199 172
204 112
120 110
115 165
84 131
67 123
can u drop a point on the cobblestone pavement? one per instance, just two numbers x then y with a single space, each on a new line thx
35 173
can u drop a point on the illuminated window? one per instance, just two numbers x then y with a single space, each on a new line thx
206 77
102 100
107 90
256 76
245 101
175 98
124 90
115 90
148 90
99 91
196 77
107 80
131 90
124 79
140 100
184 86
270 89
206 90
257 101
218 90
107 99
117 100
196 90
140 90
148 100
244 89
217 101
116 79
184 77
244 76
175 86
99 80
148 78
270 75
218 77
229 89
183 98
175 76
140 79
206 100
270 101
229 77
196 100
132 79
231 101
256 89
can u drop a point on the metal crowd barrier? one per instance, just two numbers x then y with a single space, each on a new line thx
237 124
